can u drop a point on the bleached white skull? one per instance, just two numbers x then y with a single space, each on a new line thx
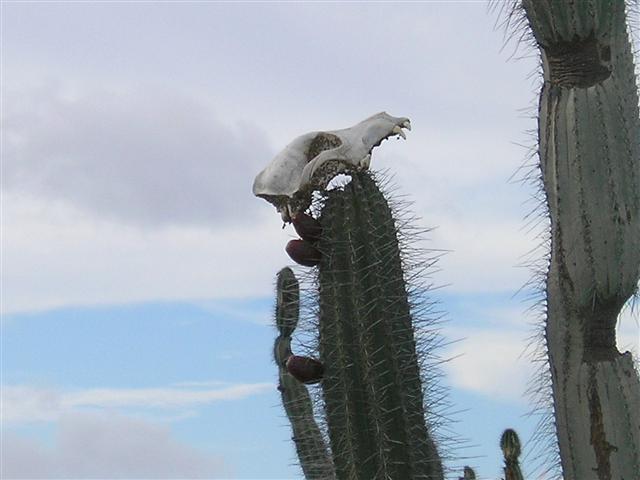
312 160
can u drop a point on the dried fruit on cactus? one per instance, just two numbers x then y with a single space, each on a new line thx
305 369
307 227
303 252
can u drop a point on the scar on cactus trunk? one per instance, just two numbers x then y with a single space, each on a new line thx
589 152
372 386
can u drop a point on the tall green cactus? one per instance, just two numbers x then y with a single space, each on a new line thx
310 445
589 149
372 387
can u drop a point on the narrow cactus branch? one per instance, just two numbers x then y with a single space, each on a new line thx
589 148
511 449
372 385
310 445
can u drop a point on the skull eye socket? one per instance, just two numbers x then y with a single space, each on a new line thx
322 141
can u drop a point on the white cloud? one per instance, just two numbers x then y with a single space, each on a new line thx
143 157
485 253
497 363
490 362
628 330
160 397
106 446
54 256
27 404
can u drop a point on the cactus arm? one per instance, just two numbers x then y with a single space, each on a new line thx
310 445
372 386
589 148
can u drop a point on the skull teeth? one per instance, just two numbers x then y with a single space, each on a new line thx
398 130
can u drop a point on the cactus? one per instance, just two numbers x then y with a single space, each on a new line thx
310 445
510 446
372 387
468 474
589 151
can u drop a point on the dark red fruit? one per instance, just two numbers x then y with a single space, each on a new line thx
303 252
307 227
305 369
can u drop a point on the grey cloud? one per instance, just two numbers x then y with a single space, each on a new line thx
142 157
107 446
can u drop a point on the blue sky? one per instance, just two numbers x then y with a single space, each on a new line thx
138 269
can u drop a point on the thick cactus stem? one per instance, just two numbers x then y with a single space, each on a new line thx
372 386
310 445
589 148
511 449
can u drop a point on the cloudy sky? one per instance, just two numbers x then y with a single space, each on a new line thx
138 269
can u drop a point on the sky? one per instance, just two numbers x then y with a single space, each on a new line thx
138 269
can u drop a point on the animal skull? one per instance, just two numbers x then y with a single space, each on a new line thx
312 160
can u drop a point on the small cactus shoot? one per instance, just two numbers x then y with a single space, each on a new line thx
468 474
511 449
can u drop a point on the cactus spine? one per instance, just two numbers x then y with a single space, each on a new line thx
589 149
310 445
510 446
372 387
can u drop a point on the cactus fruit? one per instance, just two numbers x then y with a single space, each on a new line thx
304 369
510 445
589 152
372 387
303 253
311 448
307 227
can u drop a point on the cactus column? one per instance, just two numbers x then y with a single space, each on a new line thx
589 148
372 386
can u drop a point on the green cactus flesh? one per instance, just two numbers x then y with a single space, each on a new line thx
511 449
468 474
287 302
310 445
372 387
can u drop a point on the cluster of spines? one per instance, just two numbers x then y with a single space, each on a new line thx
313 454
